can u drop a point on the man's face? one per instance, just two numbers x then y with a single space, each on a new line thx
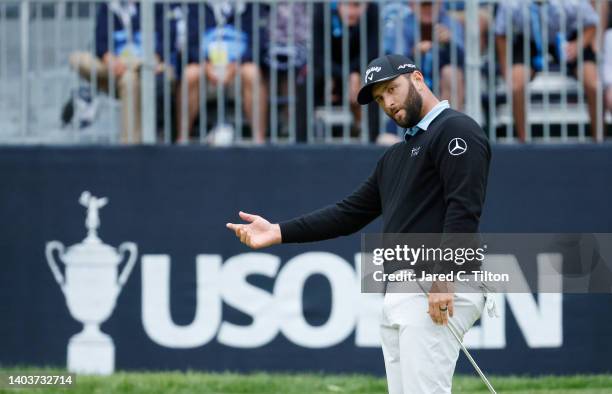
351 11
427 11
400 100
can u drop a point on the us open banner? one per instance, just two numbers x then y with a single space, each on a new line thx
118 258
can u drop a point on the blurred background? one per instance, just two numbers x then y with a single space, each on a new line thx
99 72
174 115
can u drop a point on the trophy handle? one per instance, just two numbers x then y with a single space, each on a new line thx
51 246
133 252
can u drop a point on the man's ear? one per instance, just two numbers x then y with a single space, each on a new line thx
417 79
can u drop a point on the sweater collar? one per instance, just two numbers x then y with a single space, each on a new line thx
427 119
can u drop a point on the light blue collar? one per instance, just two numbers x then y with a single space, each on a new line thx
427 119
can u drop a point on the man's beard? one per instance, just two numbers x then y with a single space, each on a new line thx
412 107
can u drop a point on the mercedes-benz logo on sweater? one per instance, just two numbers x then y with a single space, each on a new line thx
457 146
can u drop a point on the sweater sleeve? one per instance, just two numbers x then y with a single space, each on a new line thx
343 218
462 155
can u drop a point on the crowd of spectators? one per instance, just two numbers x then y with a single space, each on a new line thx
564 45
234 47
116 62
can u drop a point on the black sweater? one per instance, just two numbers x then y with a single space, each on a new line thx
421 185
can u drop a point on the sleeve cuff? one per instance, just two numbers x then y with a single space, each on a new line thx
289 230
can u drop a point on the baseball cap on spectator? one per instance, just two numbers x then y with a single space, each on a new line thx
382 69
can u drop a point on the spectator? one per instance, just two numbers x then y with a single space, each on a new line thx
352 14
118 58
291 18
285 49
433 23
606 20
456 10
225 41
564 46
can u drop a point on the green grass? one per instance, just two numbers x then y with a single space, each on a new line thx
198 382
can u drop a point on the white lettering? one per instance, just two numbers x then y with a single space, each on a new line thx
369 74
156 316
539 318
369 312
541 322
257 303
288 292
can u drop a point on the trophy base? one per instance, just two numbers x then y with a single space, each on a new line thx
91 354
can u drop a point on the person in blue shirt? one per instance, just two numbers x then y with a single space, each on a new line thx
223 48
284 56
118 57
427 32
349 15
564 46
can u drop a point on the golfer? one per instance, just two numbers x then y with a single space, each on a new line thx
432 182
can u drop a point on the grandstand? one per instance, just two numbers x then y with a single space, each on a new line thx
36 81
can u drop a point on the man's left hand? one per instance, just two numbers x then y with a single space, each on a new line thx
441 305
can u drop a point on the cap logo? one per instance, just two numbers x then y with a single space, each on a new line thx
369 74
403 66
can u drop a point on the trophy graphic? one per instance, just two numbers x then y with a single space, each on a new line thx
91 285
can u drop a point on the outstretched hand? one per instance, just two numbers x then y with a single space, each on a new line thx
258 233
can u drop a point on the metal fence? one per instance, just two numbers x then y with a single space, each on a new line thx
219 72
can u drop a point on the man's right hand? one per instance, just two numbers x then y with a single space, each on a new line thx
258 233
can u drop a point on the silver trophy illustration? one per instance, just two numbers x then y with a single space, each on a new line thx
91 285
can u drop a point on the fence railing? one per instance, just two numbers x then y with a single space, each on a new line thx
234 72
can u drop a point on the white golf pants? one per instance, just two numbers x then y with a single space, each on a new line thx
420 355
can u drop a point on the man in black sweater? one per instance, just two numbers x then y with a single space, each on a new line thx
432 182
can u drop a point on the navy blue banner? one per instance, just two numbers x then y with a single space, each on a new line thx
143 266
